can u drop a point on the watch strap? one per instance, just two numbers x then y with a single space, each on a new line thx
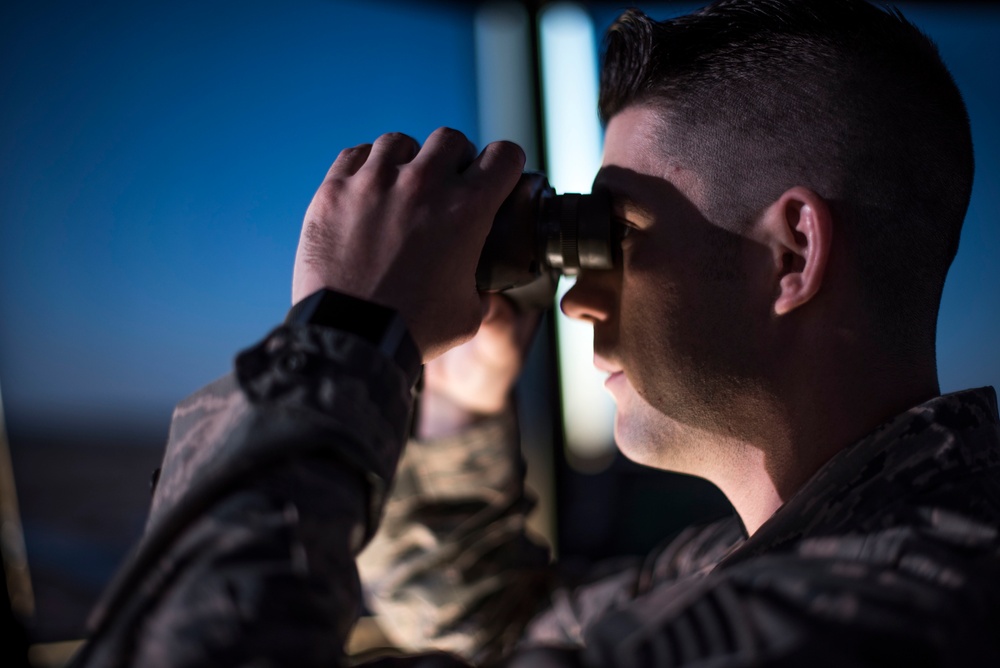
381 326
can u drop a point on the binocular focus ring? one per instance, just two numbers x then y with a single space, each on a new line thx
569 233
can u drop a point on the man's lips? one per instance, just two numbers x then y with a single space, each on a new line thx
614 379
614 371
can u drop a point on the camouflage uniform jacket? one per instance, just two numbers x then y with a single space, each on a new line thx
888 555
274 478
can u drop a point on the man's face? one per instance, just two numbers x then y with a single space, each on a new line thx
679 326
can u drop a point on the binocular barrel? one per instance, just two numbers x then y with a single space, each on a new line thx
537 233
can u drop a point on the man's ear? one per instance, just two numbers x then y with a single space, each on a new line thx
798 228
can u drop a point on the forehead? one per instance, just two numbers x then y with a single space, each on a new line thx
635 146
634 139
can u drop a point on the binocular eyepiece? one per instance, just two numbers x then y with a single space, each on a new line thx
538 235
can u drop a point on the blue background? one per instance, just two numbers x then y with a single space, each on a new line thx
157 160
158 156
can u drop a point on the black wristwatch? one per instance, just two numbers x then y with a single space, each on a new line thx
379 325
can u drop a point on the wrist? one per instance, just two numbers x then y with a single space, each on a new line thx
379 325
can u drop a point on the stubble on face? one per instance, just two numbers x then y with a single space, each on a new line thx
685 321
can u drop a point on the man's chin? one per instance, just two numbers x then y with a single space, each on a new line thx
648 437
635 437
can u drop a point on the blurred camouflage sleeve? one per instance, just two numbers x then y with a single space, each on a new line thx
272 482
453 567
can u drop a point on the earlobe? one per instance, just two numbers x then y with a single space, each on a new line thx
799 230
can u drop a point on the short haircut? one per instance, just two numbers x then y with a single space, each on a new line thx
843 97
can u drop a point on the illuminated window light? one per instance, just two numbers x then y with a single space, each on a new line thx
503 71
573 145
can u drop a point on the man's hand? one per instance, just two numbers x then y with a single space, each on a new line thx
474 380
403 226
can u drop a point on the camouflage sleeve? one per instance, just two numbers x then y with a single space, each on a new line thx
452 566
272 482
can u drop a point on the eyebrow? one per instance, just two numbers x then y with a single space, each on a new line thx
623 200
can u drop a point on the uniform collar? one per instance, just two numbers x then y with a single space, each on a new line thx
881 477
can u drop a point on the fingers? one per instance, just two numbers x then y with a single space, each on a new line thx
349 161
447 150
496 171
393 148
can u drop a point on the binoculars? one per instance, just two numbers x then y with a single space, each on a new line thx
538 235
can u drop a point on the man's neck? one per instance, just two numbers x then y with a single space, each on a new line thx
759 470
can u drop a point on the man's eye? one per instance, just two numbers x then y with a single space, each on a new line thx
622 229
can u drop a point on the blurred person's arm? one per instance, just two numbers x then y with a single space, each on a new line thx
453 566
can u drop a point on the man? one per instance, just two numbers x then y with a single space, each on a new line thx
792 178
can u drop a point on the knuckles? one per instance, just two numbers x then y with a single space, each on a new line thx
331 194
508 152
334 184
450 142
351 157
380 172
505 155
393 137
446 135
351 152
397 141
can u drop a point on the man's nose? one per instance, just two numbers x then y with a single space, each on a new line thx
592 298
